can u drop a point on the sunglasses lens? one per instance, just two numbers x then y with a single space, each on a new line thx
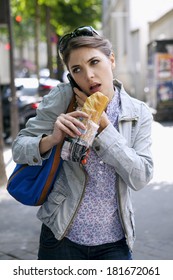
81 31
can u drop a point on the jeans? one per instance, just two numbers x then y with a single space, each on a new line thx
52 249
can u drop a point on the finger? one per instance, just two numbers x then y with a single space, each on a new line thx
68 123
80 94
73 123
79 101
77 114
80 121
67 130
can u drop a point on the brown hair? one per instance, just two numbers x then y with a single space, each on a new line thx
97 42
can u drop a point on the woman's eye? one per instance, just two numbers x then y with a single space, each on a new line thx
76 70
95 61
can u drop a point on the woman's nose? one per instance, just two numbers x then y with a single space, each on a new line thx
89 74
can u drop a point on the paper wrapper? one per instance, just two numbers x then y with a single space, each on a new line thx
90 133
76 149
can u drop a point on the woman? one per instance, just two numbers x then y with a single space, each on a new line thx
88 214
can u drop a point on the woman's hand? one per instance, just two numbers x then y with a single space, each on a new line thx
104 122
80 97
66 124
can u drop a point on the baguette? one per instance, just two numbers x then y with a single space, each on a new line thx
94 106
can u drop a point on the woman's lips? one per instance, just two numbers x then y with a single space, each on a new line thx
95 88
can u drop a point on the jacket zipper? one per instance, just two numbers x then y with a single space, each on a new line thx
120 214
69 224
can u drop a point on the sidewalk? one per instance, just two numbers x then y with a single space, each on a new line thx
20 228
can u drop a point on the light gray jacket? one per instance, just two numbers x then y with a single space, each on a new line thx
128 150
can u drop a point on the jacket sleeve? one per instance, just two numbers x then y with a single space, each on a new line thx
25 148
133 162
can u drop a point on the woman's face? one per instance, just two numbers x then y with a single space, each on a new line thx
92 70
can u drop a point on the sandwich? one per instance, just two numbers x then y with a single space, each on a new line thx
94 106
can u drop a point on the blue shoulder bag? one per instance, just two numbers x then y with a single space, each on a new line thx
31 185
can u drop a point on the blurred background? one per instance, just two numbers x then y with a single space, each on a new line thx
142 37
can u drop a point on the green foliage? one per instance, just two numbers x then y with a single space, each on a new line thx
72 14
65 14
24 29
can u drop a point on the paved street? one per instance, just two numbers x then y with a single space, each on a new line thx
153 205
19 230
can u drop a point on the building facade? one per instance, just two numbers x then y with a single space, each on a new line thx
131 25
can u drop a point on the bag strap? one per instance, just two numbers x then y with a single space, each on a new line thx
72 105
55 164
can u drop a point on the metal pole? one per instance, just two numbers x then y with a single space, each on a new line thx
3 177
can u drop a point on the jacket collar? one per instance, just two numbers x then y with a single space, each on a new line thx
128 110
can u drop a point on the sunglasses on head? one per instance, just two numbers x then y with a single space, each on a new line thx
80 31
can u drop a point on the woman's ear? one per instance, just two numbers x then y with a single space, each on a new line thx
112 59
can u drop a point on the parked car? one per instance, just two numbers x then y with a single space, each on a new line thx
27 101
44 73
46 84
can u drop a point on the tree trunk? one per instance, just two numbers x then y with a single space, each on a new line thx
3 177
37 37
60 66
13 109
49 44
